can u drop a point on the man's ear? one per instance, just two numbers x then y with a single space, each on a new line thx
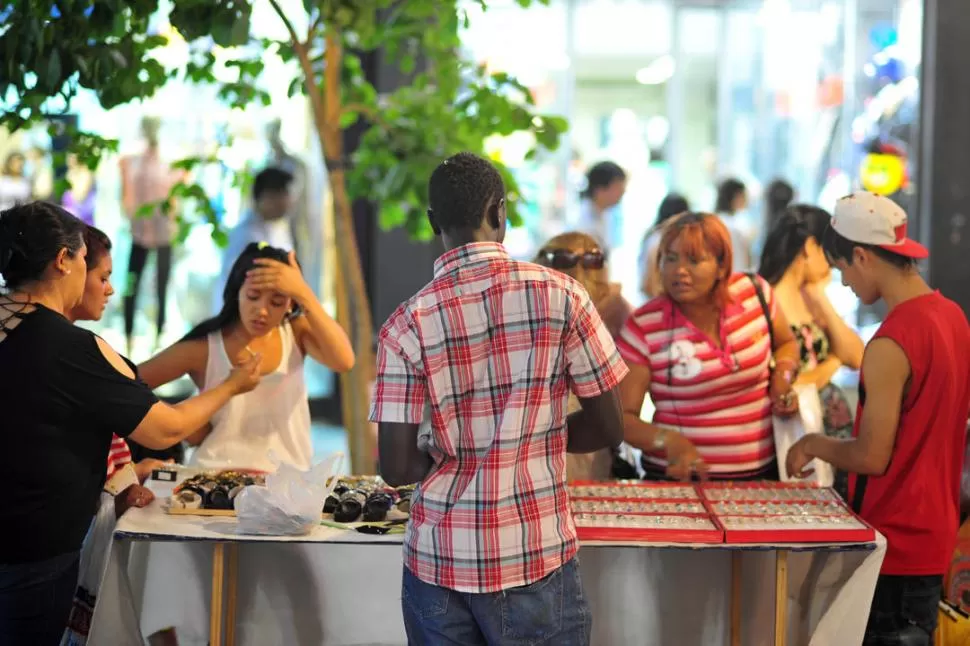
434 225
493 213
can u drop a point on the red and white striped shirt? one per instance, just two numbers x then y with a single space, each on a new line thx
495 346
715 394
118 455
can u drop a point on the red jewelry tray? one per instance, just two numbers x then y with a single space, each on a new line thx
714 535
864 533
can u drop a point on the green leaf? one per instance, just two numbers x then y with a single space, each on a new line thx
221 238
407 64
348 119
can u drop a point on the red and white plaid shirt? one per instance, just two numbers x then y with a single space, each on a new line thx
495 346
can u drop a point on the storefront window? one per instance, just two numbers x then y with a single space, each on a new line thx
820 93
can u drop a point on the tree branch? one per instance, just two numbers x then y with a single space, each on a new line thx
369 113
319 113
286 22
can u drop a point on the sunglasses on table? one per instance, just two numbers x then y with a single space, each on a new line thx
565 259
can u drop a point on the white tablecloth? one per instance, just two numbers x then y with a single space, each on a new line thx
343 588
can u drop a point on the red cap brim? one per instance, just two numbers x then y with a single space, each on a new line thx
907 248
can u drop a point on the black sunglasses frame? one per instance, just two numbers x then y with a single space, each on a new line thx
565 259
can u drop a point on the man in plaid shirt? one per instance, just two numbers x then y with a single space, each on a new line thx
495 347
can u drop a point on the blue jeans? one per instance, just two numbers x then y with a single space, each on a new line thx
905 610
553 610
35 600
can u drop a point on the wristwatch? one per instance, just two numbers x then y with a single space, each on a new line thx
660 440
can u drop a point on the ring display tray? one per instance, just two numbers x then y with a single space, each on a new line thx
714 512
627 511
783 512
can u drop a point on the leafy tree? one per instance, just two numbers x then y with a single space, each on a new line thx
54 49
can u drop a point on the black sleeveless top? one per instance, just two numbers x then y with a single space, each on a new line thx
60 401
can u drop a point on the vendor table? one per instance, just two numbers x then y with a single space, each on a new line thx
337 587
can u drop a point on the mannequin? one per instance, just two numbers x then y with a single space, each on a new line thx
146 178
14 186
281 158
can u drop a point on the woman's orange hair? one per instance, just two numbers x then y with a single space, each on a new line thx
701 234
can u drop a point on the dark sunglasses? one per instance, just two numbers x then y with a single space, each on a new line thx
565 259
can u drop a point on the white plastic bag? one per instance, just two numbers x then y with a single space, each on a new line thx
789 430
94 556
290 503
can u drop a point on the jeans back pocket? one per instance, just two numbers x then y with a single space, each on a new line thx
533 613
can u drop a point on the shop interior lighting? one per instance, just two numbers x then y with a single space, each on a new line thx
658 72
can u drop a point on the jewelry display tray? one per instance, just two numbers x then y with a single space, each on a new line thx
714 512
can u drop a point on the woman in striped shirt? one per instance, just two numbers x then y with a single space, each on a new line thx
715 354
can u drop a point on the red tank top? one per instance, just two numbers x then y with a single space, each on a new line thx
916 503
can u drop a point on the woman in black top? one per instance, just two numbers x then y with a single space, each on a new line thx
63 392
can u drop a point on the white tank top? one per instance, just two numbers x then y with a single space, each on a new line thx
275 416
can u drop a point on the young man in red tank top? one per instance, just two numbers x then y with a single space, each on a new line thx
906 454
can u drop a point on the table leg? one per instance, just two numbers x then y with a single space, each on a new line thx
231 584
216 603
781 598
735 598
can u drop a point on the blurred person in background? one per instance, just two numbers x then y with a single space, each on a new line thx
795 265
14 185
717 357
778 196
732 199
605 186
579 256
673 204
81 198
266 221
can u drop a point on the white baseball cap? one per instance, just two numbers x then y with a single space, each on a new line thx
868 218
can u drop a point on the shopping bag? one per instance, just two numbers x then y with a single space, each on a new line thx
788 430
953 628
94 556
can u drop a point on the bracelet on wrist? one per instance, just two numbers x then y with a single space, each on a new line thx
788 367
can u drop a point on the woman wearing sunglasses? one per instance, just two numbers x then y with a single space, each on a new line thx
715 354
579 256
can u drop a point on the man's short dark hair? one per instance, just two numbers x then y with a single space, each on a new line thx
838 247
272 179
460 190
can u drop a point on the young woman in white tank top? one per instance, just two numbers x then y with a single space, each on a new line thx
269 310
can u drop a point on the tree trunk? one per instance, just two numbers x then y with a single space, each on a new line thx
354 313
353 306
